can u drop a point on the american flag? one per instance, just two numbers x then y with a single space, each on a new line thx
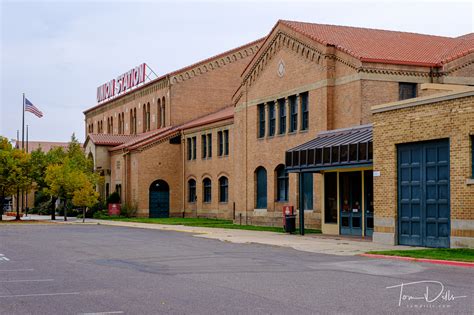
29 107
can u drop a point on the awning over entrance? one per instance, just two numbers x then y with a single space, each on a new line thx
348 147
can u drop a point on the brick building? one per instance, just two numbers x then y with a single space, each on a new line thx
226 137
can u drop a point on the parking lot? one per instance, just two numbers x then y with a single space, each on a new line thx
91 269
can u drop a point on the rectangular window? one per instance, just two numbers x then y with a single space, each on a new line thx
190 149
304 111
307 191
221 143
282 115
209 145
293 113
226 142
203 146
406 90
271 119
194 148
330 197
261 120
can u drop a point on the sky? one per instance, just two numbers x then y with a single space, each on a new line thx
59 52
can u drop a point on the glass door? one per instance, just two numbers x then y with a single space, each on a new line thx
351 205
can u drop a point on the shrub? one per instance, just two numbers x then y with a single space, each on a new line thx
129 210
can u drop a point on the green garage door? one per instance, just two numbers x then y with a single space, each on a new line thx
423 194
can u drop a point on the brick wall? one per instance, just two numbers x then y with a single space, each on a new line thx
453 119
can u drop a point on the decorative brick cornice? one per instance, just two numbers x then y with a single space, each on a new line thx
215 63
281 39
383 71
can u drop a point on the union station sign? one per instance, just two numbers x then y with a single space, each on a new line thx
123 83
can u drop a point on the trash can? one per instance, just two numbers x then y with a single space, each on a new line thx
290 223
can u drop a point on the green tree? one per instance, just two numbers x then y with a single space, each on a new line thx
14 171
85 197
74 173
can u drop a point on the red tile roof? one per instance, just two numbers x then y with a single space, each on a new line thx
156 135
110 140
373 45
141 137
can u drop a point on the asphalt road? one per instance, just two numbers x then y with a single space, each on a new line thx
71 269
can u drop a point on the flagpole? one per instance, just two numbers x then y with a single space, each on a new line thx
23 125
23 149
26 195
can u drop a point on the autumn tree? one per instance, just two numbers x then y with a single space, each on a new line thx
14 172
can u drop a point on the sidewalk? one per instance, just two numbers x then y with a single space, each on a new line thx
314 243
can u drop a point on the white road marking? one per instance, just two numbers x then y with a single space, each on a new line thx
11 270
34 280
2 257
102 313
39 294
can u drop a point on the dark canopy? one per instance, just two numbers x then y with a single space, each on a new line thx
348 147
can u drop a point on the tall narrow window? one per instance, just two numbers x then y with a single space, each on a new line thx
134 121
190 149
223 189
220 139
112 125
293 113
144 118
406 90
191 190
158 113
261 120
330 197
282 183
282 115
472 155
207 190
304 111
209 145
163 112
307 190
194 148
271 119
203 146
261 188
226 142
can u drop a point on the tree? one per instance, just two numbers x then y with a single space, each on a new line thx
74 173
14 171
85 197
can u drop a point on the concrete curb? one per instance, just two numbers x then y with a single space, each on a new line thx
424 260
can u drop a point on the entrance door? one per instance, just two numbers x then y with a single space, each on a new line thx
159 200
351 201
369 202
423 194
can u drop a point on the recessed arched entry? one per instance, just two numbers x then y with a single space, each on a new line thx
159 199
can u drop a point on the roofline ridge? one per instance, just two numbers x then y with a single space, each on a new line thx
373 29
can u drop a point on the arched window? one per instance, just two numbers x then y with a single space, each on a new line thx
144 118
163 112
261 187
206 183
282 183
223 189
131 121
158 113
191 190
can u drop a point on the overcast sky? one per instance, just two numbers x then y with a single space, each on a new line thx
59 52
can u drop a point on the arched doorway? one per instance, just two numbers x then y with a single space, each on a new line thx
159 199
